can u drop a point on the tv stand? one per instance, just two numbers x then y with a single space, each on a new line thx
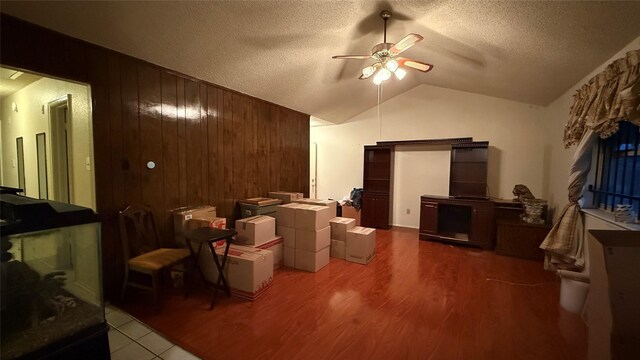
459 220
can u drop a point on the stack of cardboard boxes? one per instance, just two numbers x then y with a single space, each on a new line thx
306 232
339 228
251 260
260 232
352 243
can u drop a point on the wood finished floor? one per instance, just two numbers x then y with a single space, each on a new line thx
415 300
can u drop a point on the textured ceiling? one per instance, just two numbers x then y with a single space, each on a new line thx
281 51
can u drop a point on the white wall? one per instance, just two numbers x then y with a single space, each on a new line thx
556 116
516 133
418 170
30 120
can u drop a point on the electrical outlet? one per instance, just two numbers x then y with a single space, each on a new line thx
408 211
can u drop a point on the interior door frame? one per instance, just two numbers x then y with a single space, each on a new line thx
41 161
22 180
56 127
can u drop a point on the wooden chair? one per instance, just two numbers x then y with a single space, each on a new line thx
141 251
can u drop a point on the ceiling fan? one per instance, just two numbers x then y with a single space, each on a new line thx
387 59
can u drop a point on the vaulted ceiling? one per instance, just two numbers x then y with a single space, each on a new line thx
281 51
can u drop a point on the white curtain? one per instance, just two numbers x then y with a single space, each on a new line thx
564 244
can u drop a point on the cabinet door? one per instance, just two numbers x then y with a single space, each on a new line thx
368 210
483 224
428 217
375 210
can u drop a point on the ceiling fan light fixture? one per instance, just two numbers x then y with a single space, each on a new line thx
385 74
368 71
385 56
378 78
400 73
391 65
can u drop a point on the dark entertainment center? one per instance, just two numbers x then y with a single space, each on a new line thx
467 216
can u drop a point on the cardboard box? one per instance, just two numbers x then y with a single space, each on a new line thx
216 223
332 204
338 249
351 212
361 245
289 257
255 230
285 196
310 260
339 227
260 201
277 247
288 234
249 271
313 240
286 214
312 217
184 214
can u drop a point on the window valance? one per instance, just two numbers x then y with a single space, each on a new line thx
609 97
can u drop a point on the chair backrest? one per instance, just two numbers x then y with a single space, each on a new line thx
138 231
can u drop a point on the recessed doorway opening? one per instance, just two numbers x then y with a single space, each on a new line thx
47 137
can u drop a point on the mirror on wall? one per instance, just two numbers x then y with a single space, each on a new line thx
41 153
20 160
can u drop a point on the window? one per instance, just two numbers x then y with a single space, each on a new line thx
617 178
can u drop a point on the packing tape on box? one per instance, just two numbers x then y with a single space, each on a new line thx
251 219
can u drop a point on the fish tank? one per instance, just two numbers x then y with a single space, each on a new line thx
51 281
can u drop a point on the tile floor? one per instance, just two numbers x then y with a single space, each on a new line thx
130 339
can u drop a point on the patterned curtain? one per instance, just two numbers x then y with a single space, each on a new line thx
608 98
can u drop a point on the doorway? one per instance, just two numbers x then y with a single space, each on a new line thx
60 125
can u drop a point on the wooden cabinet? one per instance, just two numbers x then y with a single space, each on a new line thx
461 221
377 185
375 210
521 240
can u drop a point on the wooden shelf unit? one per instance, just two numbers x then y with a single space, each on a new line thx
377 186
468 173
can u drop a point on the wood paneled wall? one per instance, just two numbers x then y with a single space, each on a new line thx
211 145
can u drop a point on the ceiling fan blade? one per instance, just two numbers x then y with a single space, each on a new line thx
351 57
406 42
414 64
